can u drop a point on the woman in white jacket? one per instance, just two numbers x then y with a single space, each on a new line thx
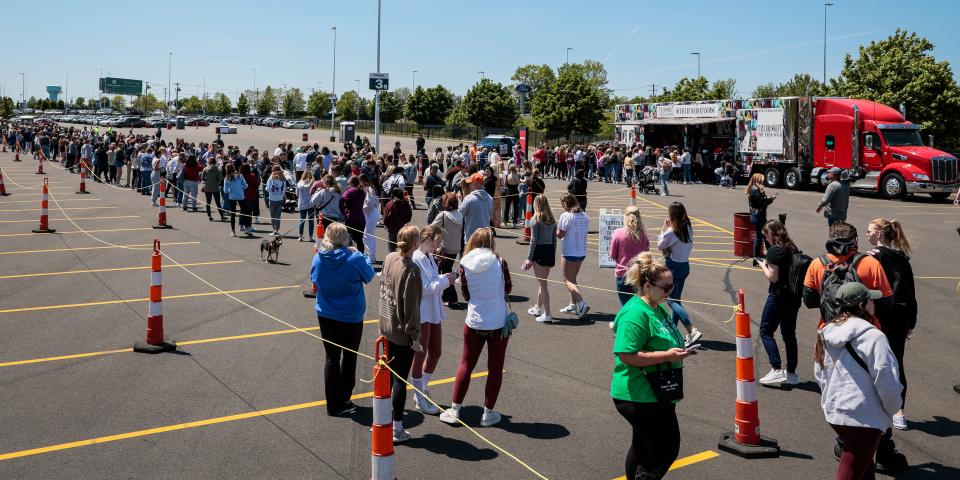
371 211
489 284
432 314
858 378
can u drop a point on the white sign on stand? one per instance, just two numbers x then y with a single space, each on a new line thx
608 224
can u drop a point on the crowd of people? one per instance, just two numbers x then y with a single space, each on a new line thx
867 300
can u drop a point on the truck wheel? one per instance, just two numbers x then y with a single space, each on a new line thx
771 177
940 195
893 186
792 179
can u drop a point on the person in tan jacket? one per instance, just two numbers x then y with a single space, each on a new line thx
399 311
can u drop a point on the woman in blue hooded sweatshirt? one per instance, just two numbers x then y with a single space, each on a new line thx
339 271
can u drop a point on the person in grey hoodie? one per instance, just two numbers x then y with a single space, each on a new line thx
859 380
477 207
836 197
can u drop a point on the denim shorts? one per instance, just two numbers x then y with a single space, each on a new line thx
573 259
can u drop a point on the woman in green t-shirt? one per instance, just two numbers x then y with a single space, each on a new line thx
646 336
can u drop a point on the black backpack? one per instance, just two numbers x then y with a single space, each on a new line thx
799 262
836 274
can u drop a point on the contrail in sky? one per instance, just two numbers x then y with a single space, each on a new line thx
632 33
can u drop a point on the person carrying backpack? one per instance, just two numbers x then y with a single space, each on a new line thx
857 374
785 264
841 264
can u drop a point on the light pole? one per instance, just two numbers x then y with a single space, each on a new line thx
333 92
825 5
204 95
143 104
481 72
358 101
169 76
568 55
376 99
698 62
23 90
413 84
256 94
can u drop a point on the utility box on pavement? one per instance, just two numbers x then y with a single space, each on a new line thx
348 131
181 123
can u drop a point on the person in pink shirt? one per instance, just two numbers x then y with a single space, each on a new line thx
627 242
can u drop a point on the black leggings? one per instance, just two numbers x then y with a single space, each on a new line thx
402 361
216 197
340 368
356 234
512 198
656 438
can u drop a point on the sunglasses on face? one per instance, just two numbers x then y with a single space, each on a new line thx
666 288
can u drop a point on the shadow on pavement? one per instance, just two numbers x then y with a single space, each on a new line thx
717 345
928 471
451 447
537 430
938 427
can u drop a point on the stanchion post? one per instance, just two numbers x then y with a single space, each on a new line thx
382 462
162 213
319 232
44 204
745 440
633 196
527 221
3 189
155 342
83 178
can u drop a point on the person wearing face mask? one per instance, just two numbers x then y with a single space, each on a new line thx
647 343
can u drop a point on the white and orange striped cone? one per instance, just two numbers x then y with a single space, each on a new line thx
3 189
155 342
382 462
319 232
527 220
162 211
83 178
16 152
633 196
745 440
4 145
44 204
40 165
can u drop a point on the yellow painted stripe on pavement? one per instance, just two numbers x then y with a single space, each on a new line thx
144 246
118 269
145 299
31 220
77 231
686 461
187 342
197 423
691 217
60 208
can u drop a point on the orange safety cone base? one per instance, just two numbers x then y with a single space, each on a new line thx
523 242
82 192
164 346
165 225
44 230
768 447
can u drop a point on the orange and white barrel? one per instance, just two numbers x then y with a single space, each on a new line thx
383 464
44 204
83 178
746 416
162 212
527 220
3 189
633 195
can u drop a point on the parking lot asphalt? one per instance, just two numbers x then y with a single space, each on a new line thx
243 395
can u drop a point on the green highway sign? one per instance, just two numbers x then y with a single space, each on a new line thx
121 86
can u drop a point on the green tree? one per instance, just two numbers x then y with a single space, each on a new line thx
292 102
145 103
118 102
901 69
573 104
765 90
243 105
347 105
79 102
391 107
722 89
489 104
91 103
365 105
267 101
686 90
33 103
318 105
222 105
801 85
60 104
191 105
45 104
6 107
430 106
538 77
402 95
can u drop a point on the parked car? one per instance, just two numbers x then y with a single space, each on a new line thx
495 141
197 122
299 124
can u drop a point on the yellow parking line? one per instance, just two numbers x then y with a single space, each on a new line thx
74 218
139 246
198 423
60 208
692 217
145 299
187 342
118 269
686 461
76 231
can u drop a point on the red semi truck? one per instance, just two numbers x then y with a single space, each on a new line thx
793 141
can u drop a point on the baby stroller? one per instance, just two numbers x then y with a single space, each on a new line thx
290 192
647 181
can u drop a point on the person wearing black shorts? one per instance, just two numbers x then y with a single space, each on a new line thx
542 255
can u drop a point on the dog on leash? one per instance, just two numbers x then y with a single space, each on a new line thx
271 248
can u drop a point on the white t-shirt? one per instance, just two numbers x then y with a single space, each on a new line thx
575 226
300 162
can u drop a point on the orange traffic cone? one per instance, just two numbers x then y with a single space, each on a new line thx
527 220
745 440
162 214
155 342
3 189
83 177
44 219
319 232
633 196
382 462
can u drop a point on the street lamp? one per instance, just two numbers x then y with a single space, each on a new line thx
376 110
255 93
568 55
825 5
698 62
481 72
358 100
333 92
413 84
23 90
169 76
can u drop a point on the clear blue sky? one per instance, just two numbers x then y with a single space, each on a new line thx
447 41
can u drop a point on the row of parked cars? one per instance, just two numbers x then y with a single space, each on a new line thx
267 122
120 121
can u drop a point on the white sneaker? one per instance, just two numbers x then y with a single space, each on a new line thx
450 416
544 318
610 324
569 308
693 336
534 311
774 377
900 422
582 309
490 418
400 436
793 378
424 405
